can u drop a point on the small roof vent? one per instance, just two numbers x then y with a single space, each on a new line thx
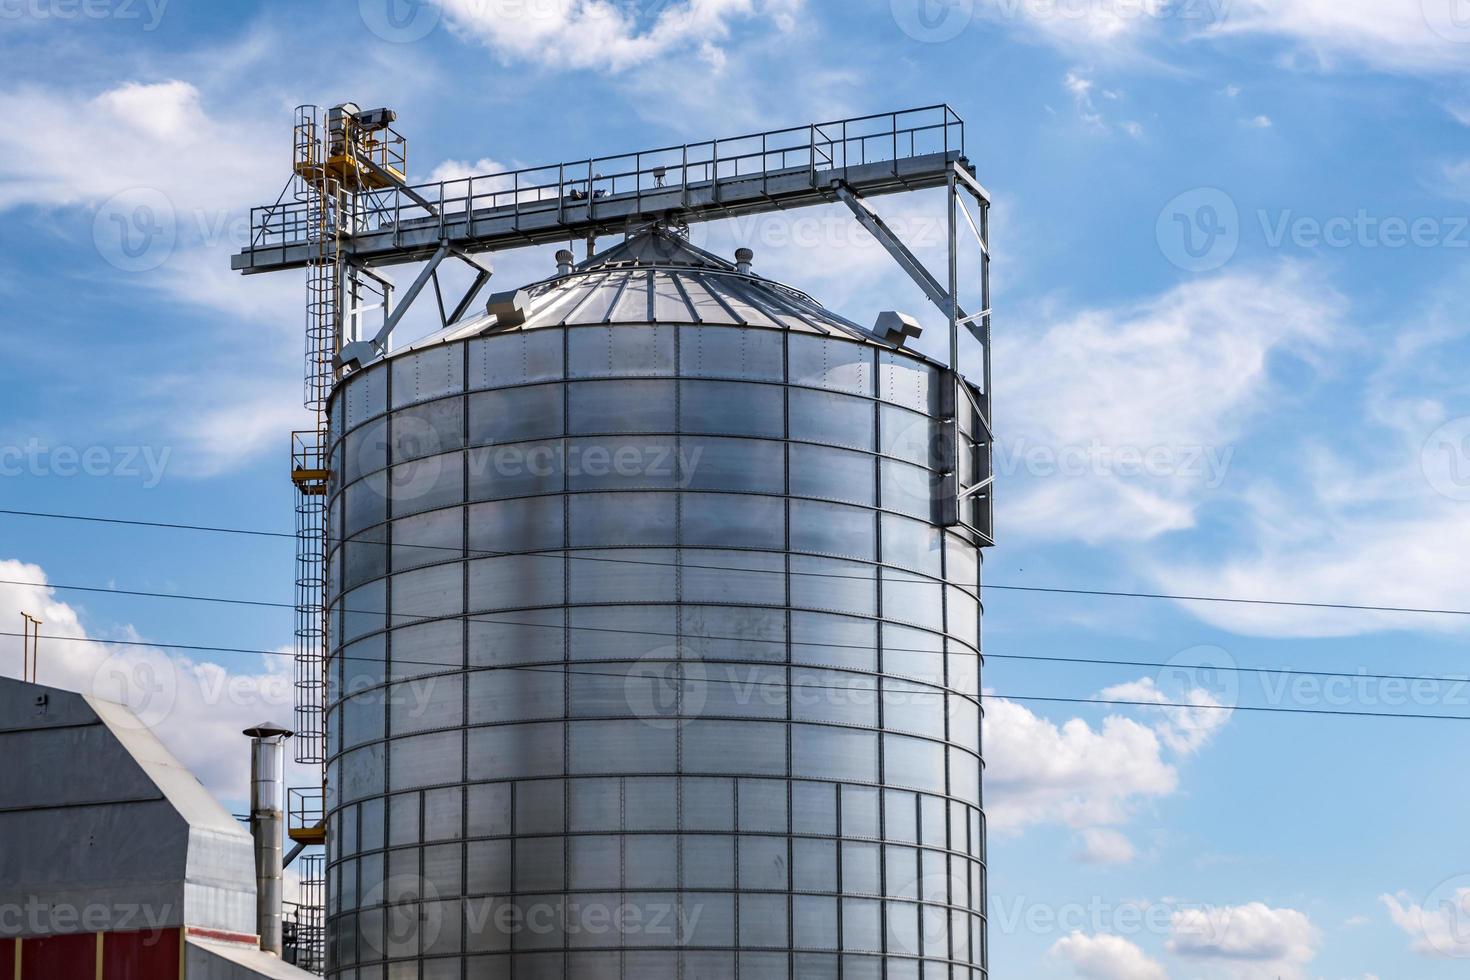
743 258
896 328
509 308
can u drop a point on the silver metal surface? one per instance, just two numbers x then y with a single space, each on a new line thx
268 828
651 653
102 829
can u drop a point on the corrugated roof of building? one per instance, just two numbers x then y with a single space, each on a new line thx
658 276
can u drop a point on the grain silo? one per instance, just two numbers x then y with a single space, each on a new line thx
651 654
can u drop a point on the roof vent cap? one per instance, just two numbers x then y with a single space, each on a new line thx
743 258
896 328
509 308
564 259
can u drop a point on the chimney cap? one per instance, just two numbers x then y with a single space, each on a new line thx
564 255
744 255
268 729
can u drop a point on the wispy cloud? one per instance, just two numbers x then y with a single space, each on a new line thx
595 34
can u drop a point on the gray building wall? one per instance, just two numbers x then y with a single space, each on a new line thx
102 829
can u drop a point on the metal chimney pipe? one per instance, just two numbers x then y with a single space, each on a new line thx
267 826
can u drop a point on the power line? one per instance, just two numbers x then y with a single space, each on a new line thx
1265 709
568 556
741 639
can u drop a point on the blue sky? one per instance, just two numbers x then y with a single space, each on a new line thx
1230 237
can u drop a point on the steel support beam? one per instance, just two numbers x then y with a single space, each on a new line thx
361 352
907 260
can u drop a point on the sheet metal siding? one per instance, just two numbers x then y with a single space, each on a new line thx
650 625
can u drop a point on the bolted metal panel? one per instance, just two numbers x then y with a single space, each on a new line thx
655 657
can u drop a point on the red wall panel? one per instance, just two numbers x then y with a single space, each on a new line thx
59 958
149 955
7 959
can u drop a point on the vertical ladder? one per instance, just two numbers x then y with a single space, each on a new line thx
323 199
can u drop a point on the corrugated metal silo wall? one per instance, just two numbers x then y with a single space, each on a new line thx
651 662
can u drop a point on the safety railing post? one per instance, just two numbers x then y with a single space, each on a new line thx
894 122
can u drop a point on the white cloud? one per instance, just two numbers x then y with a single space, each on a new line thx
1437 929
597 34
1105 957
198 707
155 135
1245 942
1081 89
1098 26
1419 36
1103 846
1126 419
462 169
1185 730
1074 774
1384 527
171 175
1257 122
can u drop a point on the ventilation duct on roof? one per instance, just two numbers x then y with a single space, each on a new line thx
896 328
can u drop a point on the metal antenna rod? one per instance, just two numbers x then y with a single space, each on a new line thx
30 647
